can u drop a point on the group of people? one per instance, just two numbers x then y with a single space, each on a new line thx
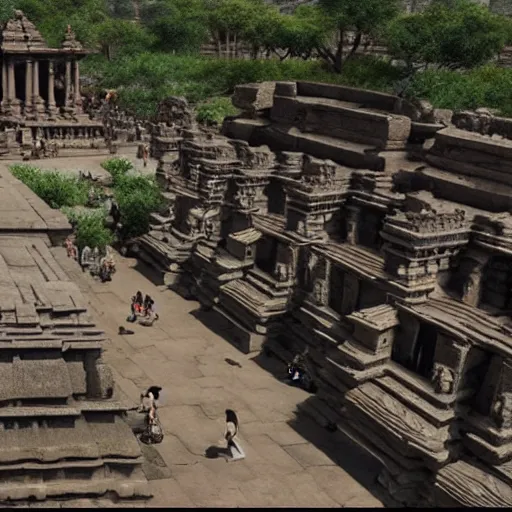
144 309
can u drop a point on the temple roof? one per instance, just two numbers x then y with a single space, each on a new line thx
20 35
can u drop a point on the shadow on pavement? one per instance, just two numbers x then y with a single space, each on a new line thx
311 425
214 452
360 465
151 275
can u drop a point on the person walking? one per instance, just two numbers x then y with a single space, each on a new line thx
145 155
235 450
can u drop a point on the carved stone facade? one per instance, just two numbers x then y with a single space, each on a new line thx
395 273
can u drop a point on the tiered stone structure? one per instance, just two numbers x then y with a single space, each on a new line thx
61 417
40 91
354 224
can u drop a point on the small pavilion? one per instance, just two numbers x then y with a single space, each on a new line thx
31 70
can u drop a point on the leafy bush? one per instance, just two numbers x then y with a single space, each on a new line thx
215 110
488 86
117 167
90 229
136 203
54 188
154 76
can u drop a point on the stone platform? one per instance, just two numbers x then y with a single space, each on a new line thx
62 425
24 214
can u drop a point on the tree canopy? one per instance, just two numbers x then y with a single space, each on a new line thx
449 33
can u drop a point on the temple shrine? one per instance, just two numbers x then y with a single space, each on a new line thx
40 91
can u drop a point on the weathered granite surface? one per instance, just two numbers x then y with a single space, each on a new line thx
386 251
23 213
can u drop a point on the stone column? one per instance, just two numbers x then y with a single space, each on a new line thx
51 106
11 81
11 87
5 93
77 96
29 87
38 103
67 87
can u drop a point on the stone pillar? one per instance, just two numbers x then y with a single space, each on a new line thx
29 87
5 93
11 87
38 103
77 103
51 106
67 86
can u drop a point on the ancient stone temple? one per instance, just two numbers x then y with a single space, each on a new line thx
40 91
378 234
62 421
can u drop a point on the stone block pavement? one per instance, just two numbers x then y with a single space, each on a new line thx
283 468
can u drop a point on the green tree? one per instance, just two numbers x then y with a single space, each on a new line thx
362 17
124 36
178 25
299 34
6 10
449 34
230 20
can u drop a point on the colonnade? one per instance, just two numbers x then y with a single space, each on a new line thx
33 105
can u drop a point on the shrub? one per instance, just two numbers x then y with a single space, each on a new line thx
154 76
215 110
488 86
117 167
54 188
90 229
137 197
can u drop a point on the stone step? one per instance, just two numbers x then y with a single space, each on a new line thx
159 219
437 417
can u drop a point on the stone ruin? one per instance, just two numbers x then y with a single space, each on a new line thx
62 420
352 223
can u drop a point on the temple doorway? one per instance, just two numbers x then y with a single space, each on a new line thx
266 253
43 80
424 350
415 346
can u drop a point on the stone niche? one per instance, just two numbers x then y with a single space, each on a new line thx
344 290
369 224
284 269
449 361
488 370
496 282
502 405
276 197
266 253
415 345
467 280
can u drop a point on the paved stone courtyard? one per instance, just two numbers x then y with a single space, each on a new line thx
286 464
291 461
